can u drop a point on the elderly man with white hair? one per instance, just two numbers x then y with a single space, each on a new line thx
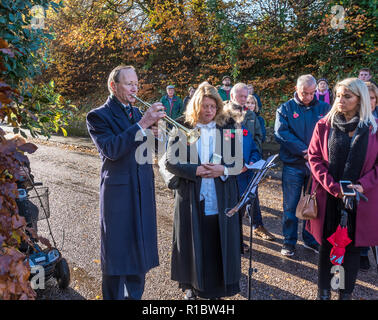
295 122
248 120
236 105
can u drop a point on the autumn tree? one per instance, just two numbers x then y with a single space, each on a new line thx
269 43
90 39
288 38
23 104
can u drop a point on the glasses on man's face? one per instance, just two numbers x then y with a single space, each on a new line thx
130 84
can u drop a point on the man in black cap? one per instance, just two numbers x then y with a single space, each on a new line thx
224 91
172 103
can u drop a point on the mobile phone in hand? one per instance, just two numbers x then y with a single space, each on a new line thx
345 190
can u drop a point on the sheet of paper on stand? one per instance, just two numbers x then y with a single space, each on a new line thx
257 165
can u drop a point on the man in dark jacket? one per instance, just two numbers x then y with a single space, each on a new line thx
295 122
127 198
172 103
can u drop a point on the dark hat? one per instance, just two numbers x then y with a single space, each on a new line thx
226 77
322 79
170 86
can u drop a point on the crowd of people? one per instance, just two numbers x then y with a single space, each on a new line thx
329 136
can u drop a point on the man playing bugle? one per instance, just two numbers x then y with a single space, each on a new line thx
127 194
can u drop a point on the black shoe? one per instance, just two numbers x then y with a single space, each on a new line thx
314 247
287 250
324 294
345 296
190 295
364 263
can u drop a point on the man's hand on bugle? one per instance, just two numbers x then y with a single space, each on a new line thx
152 116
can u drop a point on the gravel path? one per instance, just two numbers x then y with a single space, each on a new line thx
73 178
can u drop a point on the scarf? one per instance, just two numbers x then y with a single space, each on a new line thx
346 159
326 96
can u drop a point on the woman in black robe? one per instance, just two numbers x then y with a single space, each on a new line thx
206 243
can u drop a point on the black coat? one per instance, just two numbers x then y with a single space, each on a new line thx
127 194
187 259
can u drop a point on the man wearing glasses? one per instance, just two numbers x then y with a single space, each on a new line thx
127 194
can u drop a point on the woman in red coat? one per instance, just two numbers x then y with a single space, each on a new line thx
344 146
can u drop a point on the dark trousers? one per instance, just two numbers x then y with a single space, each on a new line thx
351 266
126 287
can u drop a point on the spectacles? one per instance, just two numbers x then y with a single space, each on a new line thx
130 84
209 106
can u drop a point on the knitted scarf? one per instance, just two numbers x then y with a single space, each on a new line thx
346 159
326 96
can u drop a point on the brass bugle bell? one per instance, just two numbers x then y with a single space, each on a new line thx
192 135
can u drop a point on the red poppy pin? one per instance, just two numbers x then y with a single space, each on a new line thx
245 132
295 115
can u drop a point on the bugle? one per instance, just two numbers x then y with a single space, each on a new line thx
192 135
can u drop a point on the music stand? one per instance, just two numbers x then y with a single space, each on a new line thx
248 200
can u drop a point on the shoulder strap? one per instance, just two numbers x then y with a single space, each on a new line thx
309 184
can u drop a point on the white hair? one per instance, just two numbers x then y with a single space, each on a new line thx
306 80
358 88
236 87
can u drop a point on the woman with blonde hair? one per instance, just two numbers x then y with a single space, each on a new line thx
373 93
344 146
206 247
252 104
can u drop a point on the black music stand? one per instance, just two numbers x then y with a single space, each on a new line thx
248 200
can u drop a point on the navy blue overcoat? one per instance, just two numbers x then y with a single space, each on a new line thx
127 193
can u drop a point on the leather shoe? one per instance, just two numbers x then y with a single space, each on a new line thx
324 294
261 232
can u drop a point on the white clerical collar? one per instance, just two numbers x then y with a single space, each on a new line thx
210 125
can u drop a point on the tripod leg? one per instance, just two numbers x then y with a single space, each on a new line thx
250 208
250 256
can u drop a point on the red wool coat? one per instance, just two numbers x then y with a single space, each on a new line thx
367 212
